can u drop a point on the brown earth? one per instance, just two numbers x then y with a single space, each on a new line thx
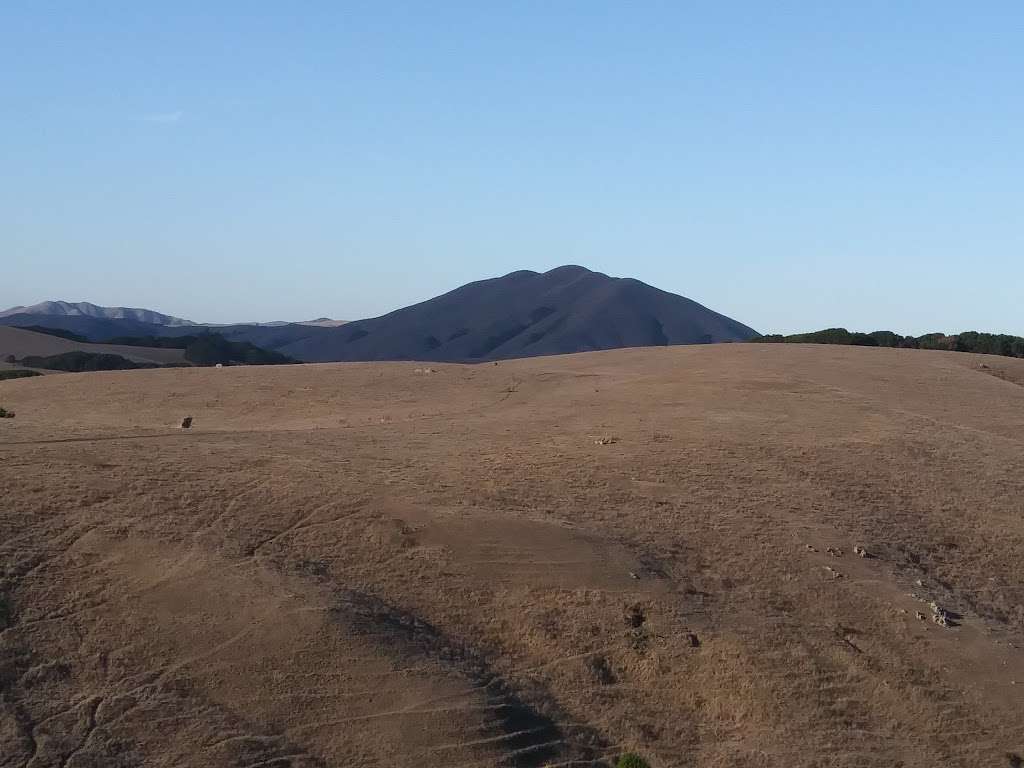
542 562
22 343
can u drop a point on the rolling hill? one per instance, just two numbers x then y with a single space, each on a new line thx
22 343
642 550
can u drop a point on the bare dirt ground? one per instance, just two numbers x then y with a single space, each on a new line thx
542 562
22 343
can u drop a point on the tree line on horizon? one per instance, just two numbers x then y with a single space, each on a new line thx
969 341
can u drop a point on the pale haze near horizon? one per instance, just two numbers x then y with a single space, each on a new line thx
794 166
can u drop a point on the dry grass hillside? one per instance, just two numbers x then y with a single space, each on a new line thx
545 562
22 343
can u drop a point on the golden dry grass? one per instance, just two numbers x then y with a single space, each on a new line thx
361 565
22 343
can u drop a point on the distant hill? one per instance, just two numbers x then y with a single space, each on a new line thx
20 344
85 309
523 314
526 314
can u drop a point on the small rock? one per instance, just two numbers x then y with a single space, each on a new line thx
920 616
834 551
633 575
835 574
859 551
810 548
608 440
186 423
919 583
939 615
693 640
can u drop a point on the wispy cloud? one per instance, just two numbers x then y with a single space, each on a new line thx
163 117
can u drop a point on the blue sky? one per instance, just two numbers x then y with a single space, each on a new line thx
793 165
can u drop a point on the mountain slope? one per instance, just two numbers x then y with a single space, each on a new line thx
85 309
526 314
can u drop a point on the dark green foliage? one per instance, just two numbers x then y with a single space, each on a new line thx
59 332
155 342
18 374
212 348
632 760
5 414
207 349
76 362
969 341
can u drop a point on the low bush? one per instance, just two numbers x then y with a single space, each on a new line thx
632 760
18 374
5 414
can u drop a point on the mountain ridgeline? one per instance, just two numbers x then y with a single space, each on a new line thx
522 314
969 341
527 314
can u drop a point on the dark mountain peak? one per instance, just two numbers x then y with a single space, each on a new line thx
524 314
570 270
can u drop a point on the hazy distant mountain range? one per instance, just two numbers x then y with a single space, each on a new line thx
85 309
523 314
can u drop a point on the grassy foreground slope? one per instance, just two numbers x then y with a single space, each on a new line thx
544 562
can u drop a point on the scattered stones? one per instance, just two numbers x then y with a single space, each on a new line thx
939 615
833 572
186 423
607 440
859 551
834 551
425 370
920 616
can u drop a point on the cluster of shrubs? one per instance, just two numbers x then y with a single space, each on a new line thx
970 341
17 373
213 349
76 362
208 349
5 414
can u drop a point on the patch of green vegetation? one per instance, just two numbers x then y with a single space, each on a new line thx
156 342
5 414
632 760
969 341
58 332
76 362
208 349
212 348
18 374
